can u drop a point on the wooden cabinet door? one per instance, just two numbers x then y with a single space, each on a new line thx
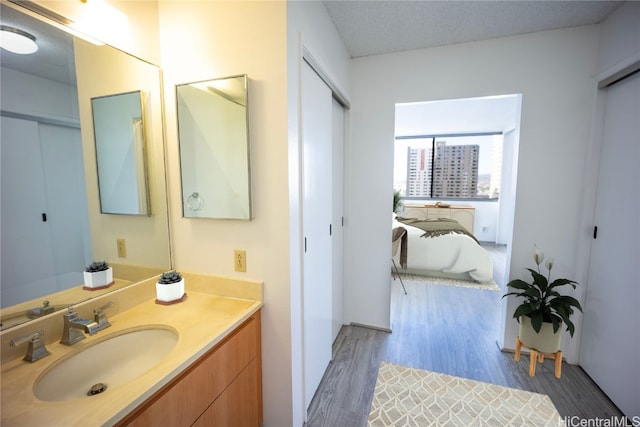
237 406
465 217
415 213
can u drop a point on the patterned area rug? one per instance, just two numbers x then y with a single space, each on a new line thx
491 285
412 397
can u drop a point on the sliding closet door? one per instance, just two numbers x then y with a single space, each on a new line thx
46 240
610 349
27 258
316 223
67 213
337 235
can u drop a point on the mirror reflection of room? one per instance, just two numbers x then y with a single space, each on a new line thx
118 125
52 227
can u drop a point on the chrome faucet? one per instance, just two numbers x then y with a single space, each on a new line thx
36 312
100 318
74 326
36 349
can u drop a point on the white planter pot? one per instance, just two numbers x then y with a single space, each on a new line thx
170 292
98 279
545 341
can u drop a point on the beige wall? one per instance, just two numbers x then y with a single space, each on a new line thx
103 70
139 35
204 40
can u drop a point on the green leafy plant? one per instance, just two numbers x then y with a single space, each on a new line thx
397 200
97 266
169 277
542 301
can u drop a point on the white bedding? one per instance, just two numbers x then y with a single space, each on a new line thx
450 255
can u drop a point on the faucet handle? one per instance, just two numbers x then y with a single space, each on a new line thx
104 307
36 349
100 318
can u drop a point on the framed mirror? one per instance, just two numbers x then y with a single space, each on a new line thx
118 127
213 133
52 226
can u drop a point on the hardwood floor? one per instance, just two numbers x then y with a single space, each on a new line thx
445 329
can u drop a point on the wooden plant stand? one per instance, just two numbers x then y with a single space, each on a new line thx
539 357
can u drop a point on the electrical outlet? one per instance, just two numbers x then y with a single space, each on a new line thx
240 260
122 248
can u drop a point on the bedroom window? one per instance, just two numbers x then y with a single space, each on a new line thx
446 166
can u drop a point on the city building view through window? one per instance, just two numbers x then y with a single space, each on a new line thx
457 167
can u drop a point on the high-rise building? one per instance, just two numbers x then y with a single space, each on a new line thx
418 172
454 169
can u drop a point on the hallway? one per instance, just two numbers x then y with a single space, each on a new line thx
445 329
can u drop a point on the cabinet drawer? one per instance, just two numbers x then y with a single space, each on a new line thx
439 212
415 213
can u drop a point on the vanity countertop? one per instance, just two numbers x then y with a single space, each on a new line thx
202 320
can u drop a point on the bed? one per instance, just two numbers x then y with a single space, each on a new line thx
450 252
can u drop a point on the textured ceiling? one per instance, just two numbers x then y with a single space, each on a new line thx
53 60
370 27
367 27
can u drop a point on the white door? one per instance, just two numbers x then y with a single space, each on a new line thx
27 259
316 223
46 240
610 346
337 221
66 191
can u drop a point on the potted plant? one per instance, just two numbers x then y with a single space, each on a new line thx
170 287
397 201
98 275
544 309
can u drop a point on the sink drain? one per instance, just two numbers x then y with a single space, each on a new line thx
97 389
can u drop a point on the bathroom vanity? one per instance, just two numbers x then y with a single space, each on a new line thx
220 388
208 372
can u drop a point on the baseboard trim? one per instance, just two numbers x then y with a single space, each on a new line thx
370 327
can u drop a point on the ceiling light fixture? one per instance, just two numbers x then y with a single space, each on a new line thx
17 41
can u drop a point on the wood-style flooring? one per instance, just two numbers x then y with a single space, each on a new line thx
445 329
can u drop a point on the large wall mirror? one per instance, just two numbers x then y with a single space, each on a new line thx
214 148
52 226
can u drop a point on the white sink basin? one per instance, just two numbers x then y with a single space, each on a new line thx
105 364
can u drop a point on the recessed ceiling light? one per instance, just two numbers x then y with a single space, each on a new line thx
17 41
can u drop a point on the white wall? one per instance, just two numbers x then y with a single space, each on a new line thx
554 73
308 26
56 101
504 231
620 38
